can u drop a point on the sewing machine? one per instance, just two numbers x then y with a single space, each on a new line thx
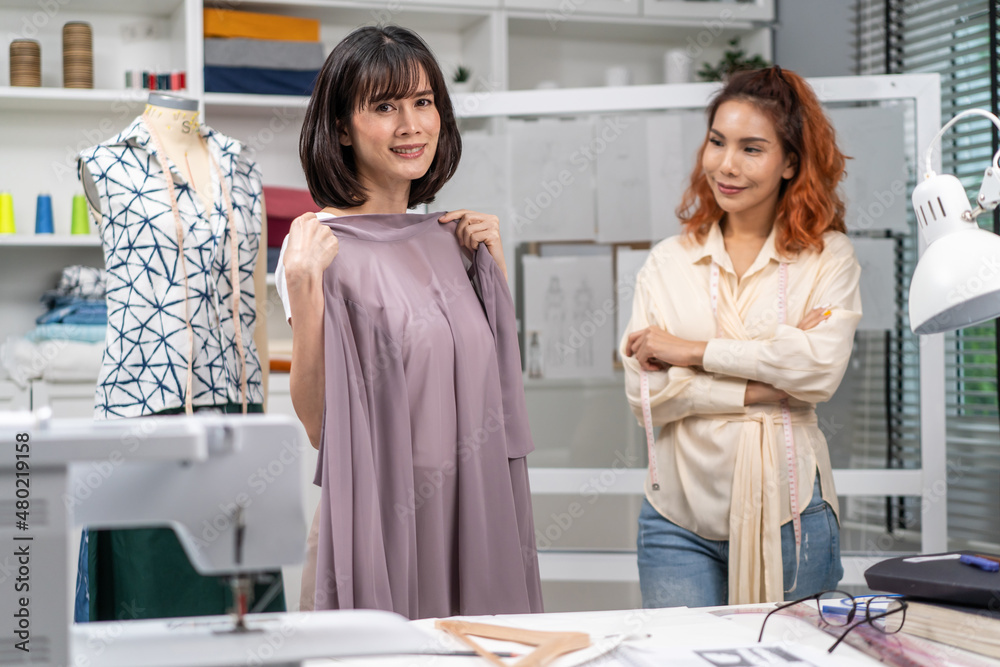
232 490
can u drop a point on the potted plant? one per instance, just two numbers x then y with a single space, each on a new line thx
461 80
733 60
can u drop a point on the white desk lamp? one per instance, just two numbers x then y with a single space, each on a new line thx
957 280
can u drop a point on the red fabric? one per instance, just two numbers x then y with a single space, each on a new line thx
283 206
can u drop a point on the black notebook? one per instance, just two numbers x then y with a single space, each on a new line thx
942 580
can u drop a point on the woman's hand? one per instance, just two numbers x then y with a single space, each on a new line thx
311 248
761 392
657 350
475 228
814 317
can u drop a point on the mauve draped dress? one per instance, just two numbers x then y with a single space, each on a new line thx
426 509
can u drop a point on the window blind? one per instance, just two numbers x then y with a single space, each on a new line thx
958 40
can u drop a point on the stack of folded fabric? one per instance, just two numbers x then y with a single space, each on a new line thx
264 54
77 310
68 343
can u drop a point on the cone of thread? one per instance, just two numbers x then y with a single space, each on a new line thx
80 223
7 213
25 63
78 55
43 215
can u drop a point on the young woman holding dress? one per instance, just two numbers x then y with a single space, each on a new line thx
405 368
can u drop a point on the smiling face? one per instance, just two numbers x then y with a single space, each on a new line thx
394 140
744 161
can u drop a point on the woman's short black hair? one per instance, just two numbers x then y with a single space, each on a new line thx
372 64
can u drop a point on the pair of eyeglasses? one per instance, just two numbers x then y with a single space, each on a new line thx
885 613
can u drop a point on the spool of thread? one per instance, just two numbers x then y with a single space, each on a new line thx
43 215
78 55
7 214
80 223
25 63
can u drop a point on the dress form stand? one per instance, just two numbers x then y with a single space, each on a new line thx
144 573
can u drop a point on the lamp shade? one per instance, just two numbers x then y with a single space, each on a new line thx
957 282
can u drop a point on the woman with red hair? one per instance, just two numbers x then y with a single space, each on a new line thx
739 327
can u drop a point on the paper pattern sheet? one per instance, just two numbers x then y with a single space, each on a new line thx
875 187
627 265
552 180
680 134
624 182
481 182
568 317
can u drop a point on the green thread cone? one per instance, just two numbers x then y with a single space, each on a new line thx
80 223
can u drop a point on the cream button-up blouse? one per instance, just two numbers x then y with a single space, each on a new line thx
721 465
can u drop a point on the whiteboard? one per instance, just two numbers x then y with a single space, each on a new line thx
875 187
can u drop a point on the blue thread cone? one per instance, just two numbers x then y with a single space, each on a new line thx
43 215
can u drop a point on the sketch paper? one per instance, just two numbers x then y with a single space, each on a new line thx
481 182
627 265
680 135
552 180
877 258
624 183
875 187
568 316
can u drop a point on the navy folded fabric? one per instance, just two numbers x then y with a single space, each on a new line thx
259 80
77 311
266 53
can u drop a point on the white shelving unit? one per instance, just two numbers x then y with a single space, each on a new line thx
510 45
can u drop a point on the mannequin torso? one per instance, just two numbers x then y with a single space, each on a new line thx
177 131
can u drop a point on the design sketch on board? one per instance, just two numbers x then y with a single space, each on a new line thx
569 316
583 308
555 323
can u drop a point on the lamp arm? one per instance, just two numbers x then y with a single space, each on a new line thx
948 125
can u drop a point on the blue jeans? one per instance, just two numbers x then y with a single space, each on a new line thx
678 568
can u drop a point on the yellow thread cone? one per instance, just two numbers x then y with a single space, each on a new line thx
7 213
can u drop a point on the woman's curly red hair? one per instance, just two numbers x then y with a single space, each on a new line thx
808 204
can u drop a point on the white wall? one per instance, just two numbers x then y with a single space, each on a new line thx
814 37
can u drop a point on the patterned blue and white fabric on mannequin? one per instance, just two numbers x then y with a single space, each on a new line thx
144 369
145 364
